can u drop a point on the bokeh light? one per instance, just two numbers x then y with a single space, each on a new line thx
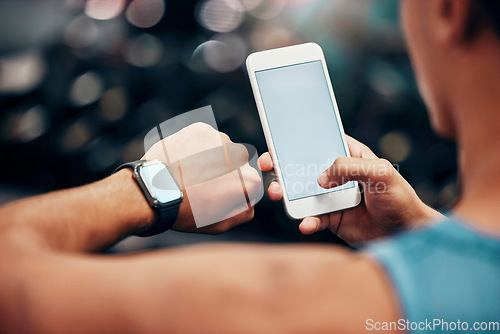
243 5
81 32
25 125
267 10
386 79
144 50
104 9
75 136
395 146
86 89
217 16
145 13
20 73
113 104
270 36
226 54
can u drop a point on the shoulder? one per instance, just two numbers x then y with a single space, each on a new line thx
429 268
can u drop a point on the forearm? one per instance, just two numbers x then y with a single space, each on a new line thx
210 289
86 218
202 289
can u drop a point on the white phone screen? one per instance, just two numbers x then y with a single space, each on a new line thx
303 125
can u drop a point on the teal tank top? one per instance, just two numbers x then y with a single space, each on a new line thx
447 278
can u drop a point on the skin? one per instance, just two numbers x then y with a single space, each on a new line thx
51 282
466 107
384 189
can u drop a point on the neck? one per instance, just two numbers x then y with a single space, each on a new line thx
478 134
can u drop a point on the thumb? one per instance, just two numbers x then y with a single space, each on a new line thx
369 171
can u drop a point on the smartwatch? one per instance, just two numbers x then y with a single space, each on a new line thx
161 191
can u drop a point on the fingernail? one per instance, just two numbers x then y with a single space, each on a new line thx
323 180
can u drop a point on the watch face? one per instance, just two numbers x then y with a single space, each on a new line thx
160 183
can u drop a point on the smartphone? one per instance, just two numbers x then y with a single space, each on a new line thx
302 126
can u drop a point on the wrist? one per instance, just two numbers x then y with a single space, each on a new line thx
425 215
132 206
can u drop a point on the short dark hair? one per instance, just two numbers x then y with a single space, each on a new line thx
483 12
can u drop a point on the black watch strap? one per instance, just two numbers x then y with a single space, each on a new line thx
165 218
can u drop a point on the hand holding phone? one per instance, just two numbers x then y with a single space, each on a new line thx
390 203
302 126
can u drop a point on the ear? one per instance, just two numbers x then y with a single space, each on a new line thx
451 19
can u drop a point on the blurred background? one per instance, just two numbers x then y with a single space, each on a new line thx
82 81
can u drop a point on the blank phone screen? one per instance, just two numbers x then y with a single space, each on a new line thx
304 128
